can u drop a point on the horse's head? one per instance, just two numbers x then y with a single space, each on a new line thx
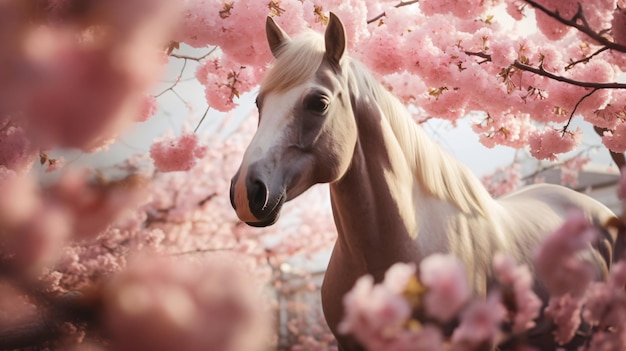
306 134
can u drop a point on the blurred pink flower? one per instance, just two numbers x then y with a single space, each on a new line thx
94 205
159 304
170 155
17 152
556 260
37 242
565 311
148 109
375 314
448 289
480 323
20 198
520 280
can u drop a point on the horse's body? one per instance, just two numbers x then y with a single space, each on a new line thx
396 195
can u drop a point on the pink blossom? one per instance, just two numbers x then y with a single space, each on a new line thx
480 323
224 80
504 180
607 117
103 76
618 26
149 108
556 260
565 312
505 129
37 242
374 314
448 289
20 199
159 304
17 151
170 155
398 276
549 142
608 340
520 281
616 140
94 206
570 169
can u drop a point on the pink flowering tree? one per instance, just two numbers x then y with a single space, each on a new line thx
155 258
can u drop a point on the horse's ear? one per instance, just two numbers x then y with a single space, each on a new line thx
276 37
335 38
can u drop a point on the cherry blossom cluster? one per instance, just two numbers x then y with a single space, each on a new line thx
448 60
432 308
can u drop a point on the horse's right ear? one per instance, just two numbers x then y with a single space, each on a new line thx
276 37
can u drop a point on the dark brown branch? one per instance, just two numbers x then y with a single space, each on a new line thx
400 4
579 22
619 159
542 72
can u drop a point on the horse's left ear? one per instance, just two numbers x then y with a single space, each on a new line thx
335 38
276 36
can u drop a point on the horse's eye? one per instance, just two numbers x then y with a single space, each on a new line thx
316 103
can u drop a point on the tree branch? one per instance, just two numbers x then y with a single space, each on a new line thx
542 72
586 59
583 26
400 4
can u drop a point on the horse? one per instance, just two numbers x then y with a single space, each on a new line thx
396 195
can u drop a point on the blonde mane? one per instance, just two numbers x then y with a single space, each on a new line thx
439 173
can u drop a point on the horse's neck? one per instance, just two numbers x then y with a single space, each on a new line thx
397 178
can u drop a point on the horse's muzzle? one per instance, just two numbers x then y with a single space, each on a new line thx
263 205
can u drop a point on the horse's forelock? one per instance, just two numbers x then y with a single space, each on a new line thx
297 62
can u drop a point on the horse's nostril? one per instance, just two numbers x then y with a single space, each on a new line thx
257 196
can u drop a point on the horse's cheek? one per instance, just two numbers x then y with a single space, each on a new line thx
310 130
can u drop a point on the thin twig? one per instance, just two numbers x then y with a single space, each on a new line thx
171 87
200 58
571 115
197 251
202 119
586 59
400 4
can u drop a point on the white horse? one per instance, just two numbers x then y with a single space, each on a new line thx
395 194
